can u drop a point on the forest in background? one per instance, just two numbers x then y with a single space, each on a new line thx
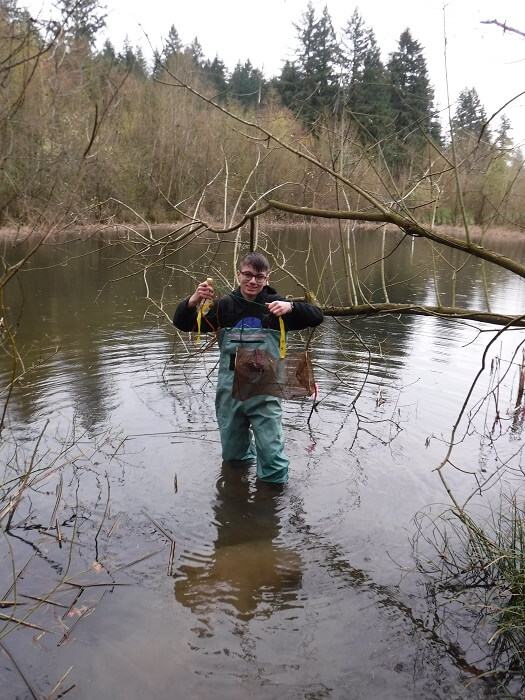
103 135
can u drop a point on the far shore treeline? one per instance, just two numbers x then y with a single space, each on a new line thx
105 133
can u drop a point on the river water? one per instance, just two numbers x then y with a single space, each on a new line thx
308 593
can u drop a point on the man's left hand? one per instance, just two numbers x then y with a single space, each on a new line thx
279 308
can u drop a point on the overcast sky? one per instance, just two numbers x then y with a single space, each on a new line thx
478 55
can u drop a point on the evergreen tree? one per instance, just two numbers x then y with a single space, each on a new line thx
173 44
373 103
288 85
355 45
363 78
133 60
215 72
140 67
503 138
108 53
470 116
411 98
305 34
172 47
315 69
246 84
83 19
195 52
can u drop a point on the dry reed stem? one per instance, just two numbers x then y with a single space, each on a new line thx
10 603
57 686
57 502
41 600
15 621
136 561
170 561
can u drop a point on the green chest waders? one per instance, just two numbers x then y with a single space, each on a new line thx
261 414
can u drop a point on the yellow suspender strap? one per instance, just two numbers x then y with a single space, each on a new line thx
199 320
282 340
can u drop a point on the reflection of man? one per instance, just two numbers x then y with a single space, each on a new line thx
246 563
249 317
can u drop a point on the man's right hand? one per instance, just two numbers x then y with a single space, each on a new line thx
203 291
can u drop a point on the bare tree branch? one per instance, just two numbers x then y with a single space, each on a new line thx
503 26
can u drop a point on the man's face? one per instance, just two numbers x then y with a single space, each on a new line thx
251 281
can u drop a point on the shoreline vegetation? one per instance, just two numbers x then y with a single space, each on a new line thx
100 135
83 231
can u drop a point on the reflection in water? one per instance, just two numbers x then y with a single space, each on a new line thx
247 572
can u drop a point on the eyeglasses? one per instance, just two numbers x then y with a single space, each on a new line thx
248 275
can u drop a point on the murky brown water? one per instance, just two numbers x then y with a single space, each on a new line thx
308 593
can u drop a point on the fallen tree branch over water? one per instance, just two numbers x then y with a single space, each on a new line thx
403 223
412 229
444 312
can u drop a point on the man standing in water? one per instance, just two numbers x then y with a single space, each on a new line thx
249 317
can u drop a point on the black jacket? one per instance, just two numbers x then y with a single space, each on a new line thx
227 311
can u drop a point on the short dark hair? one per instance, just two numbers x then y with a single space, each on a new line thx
258 261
